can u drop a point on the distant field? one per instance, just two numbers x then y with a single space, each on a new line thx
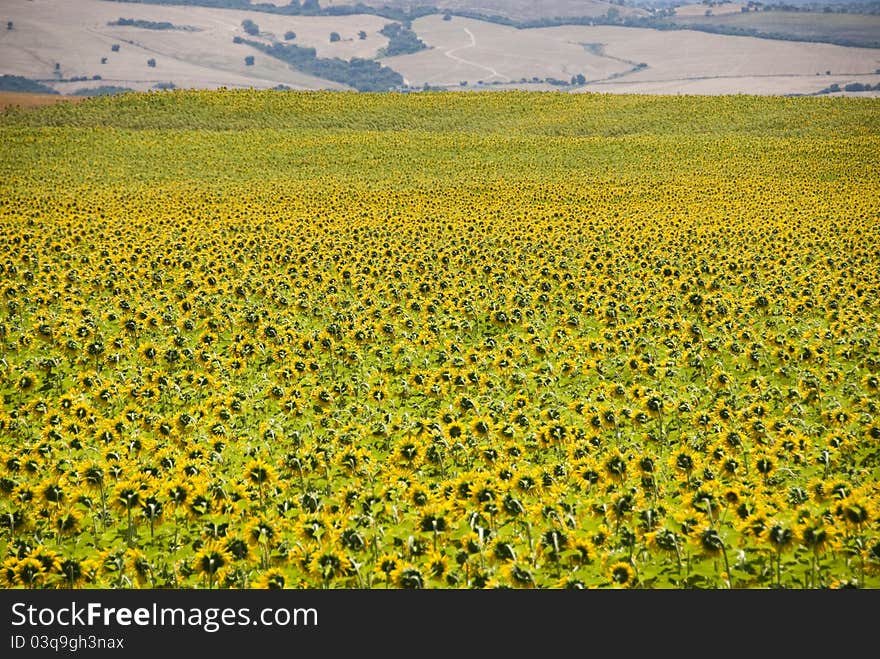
76 35
474 51
24 100
701 9
683 61
851 29
695 62
516 10
69 47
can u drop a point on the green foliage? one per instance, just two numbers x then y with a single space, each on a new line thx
12 83
402 40
441 339
518 114
103 90
362 74
151 25
852 30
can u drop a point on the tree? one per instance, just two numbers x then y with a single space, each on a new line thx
250 27
362 35
9 25
334 36
290 35
115 48
447 16
151 62
249 60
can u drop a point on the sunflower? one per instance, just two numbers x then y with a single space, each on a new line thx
329 564
139 565
213 561
814 535
481 426
621 575
8 573
663 540
26 382
30 572
436 564
454 431
271 579
48 558
72 573
149 352
615 466
386 566
518 575
780 535
407 576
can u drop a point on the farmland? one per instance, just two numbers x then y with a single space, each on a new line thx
848 29
86 46
260 339
628 59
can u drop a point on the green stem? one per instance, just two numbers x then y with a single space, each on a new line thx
726 567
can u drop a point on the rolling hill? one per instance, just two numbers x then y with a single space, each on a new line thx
93 46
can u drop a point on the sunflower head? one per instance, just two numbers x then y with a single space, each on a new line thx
621 575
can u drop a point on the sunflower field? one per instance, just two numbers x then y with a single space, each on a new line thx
263 339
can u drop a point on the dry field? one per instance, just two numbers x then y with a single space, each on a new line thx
701 9
77 36
681 61
686 61
463 53
517 10
842 29
25 100
465 49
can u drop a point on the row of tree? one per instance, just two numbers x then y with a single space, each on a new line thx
363 74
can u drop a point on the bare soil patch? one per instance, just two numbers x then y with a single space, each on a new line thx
25 100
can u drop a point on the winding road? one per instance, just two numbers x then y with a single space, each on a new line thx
472 44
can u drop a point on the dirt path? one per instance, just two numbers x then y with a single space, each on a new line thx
472 44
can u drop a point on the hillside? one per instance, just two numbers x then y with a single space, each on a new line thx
98 46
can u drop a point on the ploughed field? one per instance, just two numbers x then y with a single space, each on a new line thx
440 340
